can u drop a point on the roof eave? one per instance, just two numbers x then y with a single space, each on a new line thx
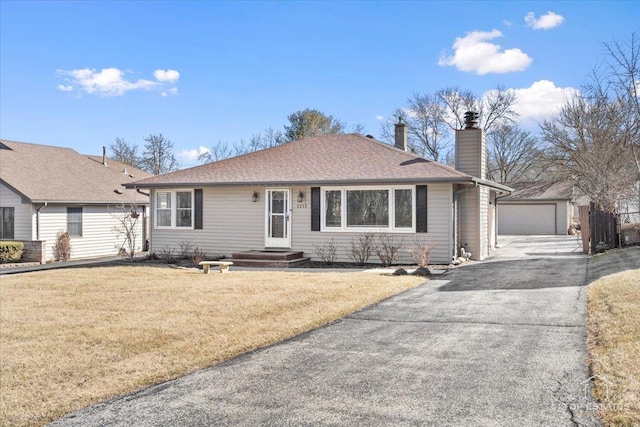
494 185
452 180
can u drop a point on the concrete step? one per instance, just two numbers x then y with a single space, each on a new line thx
274 255
268 263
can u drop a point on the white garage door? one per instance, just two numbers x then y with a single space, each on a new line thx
526 219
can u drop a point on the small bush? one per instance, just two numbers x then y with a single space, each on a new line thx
11 251
601 247
186 249
62 248
197 255
166 255
361 249
421 251
327 251
388 249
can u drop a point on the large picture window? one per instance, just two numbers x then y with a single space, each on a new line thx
368 209
174 209
7 220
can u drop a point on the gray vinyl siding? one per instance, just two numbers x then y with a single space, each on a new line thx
469 225
471 152
233 223
484 222
99 236
22 212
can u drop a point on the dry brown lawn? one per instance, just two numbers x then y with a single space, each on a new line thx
614 346
70 338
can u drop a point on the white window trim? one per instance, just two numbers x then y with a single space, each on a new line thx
174 209
343 208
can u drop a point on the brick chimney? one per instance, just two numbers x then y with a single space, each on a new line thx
401 135
471 147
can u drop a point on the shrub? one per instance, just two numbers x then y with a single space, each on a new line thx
421 251
186 249
62 248
361 249
327 251
601 247
197 255
388 249
11 251
166 255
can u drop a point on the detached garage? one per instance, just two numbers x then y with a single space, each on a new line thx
541 208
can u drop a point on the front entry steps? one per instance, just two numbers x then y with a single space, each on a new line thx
274 258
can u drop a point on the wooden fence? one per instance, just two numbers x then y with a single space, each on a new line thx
598 227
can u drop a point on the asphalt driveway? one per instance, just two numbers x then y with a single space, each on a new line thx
495 343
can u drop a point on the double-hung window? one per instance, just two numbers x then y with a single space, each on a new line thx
74 221
174 209
368 209
7 221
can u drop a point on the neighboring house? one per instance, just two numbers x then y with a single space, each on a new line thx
45 190
536 208
329 188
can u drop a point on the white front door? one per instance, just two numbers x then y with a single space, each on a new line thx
278 218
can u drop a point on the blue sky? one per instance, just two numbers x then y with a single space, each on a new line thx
79 74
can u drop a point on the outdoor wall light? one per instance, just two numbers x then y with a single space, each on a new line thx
300 196
254 196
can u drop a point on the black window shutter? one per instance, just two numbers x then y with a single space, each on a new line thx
421 208
315 208
197 217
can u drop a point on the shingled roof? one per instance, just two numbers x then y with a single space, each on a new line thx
42 173
325 159
557 190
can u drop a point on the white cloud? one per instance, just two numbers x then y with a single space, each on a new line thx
379 117
172 91
192 155
541 100
545 22
506 23
170 76
113 81
474 52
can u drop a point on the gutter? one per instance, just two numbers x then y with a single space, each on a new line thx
372 181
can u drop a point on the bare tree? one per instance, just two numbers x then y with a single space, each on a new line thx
494 108
127 219
587 143
513 154
158 157
432 118
623 75
596 136
124 152
427 129
268 138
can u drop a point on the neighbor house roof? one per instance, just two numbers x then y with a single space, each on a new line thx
325 159
559 190
42 173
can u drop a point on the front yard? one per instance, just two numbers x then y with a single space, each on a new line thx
614 335
70 338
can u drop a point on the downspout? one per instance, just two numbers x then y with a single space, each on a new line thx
38 219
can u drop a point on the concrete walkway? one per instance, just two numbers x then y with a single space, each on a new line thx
495 343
